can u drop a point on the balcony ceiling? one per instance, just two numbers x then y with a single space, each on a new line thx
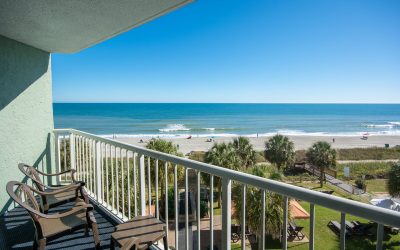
69 26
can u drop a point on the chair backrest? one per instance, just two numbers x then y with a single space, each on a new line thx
24 196
31 172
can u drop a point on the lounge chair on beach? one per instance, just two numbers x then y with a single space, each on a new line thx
236 233
53 196
295 231
336 227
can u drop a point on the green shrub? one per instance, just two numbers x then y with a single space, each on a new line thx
393 183
203 208
360 183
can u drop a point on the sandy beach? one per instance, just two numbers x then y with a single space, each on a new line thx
301 142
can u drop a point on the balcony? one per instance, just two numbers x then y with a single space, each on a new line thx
123 181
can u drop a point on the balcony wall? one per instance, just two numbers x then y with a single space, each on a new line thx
26 113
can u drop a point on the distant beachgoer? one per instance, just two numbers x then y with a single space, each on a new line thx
141 141
177 146
257 135
333 140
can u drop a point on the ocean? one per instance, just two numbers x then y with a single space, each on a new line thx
218 120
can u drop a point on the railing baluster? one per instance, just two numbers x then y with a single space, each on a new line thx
149 183
312 226
87 161
142 186
107 153
198 211
211 212
122 183
57 154
80 157
157 208
65 156
379 237
176 191
128 172
103 173
117 162
285 221
342 231
226 213
263 220
72 150
166 194
187 208
112 177
90 165
134 183
243 224
98 167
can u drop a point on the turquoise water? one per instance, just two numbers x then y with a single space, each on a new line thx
174 120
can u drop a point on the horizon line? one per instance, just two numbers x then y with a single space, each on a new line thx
339 103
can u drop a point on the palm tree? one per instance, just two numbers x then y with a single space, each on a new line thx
323 156
279 150
273 209
222 155
393 184
244 150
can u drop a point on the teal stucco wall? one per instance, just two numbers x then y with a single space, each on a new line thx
26 112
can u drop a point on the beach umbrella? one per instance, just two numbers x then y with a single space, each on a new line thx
297 211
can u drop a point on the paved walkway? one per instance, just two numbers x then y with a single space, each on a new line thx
332 180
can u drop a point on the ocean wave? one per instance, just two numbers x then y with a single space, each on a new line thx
387 125
380 125
210 129
174 127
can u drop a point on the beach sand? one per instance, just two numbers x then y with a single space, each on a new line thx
301 142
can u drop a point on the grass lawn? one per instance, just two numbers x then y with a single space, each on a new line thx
325 238
375 185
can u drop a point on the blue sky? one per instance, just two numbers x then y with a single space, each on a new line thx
289 51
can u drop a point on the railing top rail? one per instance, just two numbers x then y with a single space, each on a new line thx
374 213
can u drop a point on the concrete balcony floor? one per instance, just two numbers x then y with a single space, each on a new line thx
17 231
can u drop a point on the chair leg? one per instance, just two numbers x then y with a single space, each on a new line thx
35 244
96 235
42 244
165 241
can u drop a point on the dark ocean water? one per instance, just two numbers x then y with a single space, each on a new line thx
170 120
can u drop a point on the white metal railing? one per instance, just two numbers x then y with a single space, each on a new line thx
115 173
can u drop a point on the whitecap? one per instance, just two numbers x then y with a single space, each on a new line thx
174 127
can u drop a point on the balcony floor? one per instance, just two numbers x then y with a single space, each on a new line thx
17 231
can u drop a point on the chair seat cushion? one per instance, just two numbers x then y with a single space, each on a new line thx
146 228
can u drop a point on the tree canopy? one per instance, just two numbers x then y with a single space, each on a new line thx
245 152
279 150
393 183
322 156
